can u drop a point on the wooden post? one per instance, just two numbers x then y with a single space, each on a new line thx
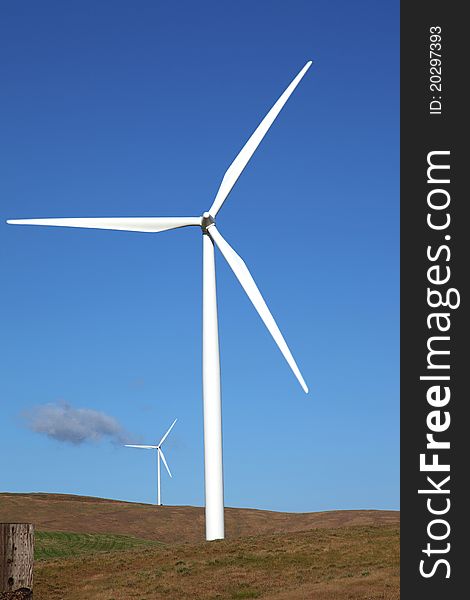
16 561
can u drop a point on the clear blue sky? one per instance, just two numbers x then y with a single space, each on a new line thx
137 109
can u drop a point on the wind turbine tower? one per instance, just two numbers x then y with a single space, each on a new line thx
211 237
161 456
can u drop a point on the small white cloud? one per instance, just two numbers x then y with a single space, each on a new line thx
62 422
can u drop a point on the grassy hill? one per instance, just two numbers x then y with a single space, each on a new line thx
60 544
169 524
97 549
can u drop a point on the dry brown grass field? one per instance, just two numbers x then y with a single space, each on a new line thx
112 554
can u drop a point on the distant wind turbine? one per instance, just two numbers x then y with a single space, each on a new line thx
160 454
214 493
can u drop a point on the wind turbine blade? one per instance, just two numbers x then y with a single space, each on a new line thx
248 284
166 434
240 162
164 462
146 224
140 446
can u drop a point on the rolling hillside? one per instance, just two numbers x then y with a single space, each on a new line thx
169 524
97 549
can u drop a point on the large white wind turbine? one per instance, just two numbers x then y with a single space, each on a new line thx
210 356
160 455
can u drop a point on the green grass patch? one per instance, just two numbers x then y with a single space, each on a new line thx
60 544
245 593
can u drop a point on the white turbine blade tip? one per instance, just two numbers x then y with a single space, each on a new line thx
166 434
146 447
164 462
247 282
142 224
243 157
